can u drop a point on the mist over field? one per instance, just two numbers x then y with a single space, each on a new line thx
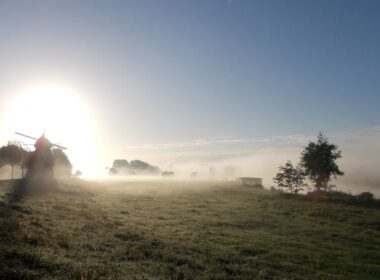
224 159
227 158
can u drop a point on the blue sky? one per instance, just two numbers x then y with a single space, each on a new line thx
159 72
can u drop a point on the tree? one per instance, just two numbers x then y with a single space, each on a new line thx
62 164
135 167
140 166
120 163
290 178
12 154
366 196
112 171
119 166
319 162
78 173
26 155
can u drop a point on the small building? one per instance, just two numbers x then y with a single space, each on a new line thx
250 181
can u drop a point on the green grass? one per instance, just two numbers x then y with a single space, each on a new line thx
183 230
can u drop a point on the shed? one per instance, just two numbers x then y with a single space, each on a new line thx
250 181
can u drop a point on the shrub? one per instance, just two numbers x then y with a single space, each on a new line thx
366 196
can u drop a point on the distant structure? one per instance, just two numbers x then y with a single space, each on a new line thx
40 163
167 174
41 160
250 181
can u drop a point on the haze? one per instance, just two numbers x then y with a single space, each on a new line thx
190 85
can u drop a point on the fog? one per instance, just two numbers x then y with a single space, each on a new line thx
361 171
358 164
6 172
226 159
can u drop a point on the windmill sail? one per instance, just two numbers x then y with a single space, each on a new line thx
30 137
59 146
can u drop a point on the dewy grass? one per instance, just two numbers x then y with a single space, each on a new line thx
183 230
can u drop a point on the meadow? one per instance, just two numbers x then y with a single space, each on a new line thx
183 230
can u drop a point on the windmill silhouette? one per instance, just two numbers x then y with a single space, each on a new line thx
40 163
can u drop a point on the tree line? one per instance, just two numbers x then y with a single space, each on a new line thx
134 167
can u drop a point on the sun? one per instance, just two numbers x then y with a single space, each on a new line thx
61 114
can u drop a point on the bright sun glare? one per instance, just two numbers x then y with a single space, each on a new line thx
62 115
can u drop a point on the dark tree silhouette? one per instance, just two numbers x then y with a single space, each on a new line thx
119 167
319 162
12 154
290 178
62 164
135 167
144 167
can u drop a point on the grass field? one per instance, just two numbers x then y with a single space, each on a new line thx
183 230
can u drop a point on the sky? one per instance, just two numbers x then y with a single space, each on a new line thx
164 77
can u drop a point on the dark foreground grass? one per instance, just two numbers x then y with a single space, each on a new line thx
179 230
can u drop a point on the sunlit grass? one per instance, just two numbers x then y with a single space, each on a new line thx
144 230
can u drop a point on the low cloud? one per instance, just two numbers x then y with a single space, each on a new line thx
261 157
227 141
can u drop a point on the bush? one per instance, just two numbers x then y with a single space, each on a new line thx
366 196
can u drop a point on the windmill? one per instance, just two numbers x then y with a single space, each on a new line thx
41 162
